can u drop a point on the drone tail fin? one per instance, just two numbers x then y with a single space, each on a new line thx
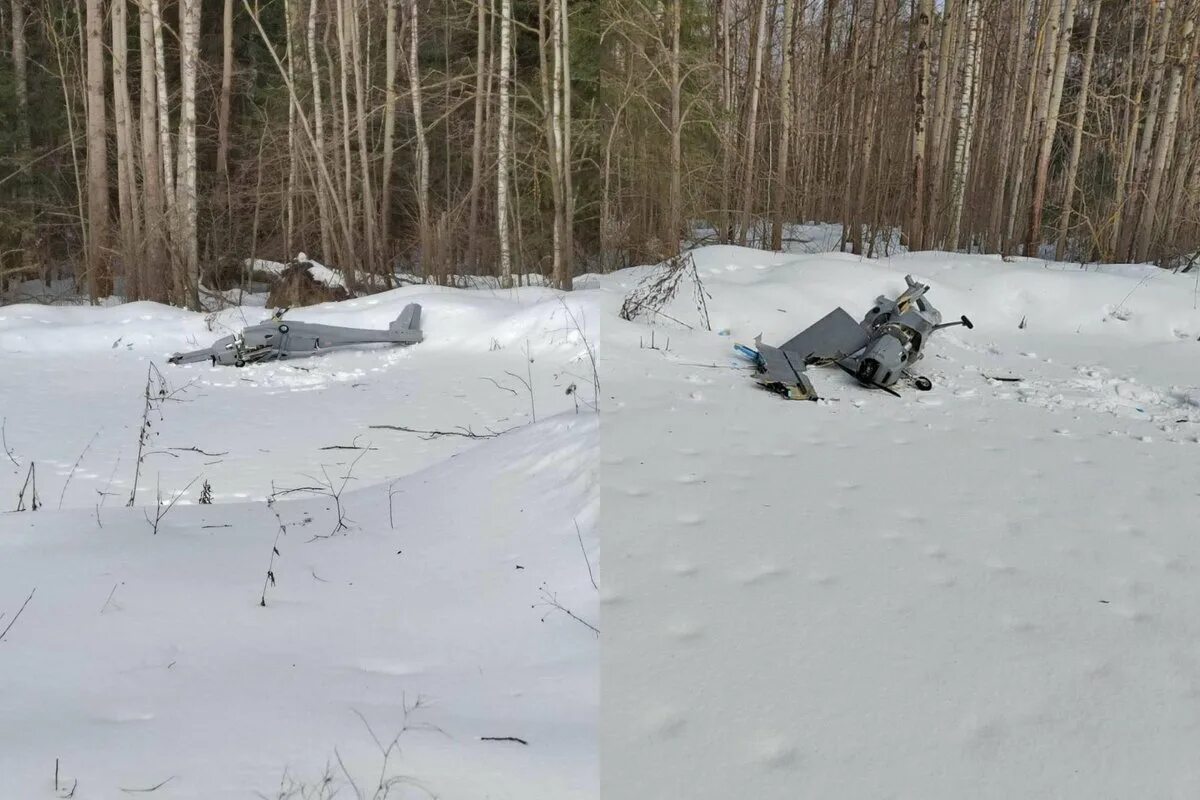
407 326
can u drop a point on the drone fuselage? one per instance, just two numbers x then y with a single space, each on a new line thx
878 351
898 329
278 339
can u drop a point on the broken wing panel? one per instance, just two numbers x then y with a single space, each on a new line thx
834 335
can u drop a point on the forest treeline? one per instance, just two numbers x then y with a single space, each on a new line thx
150 146
995 125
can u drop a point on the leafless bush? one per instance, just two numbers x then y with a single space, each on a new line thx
269 580
157 392
327 486
161 510
387 783
661 286
31 485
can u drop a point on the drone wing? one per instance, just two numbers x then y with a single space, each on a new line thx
835 335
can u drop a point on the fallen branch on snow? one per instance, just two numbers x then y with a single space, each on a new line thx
18 616
466 433
503 739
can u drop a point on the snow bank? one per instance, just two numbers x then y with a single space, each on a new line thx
1123 302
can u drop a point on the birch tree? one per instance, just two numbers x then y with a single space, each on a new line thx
916 225
152 251
185 181
502 142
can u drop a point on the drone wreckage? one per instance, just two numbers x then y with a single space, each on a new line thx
278 339
877 352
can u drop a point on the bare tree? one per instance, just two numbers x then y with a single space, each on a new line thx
126 173
966 123
185 181
1064 224
920 94
421 153
226 91
389 121
20 77
98 274
1165 141
787 100
152 251
760 46
502 141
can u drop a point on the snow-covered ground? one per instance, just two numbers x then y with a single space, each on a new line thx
986 590
434 614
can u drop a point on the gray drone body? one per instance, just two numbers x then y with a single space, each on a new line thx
878 351
279 339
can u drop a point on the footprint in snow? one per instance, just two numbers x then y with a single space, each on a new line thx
683 569
758 574
685 631
775 753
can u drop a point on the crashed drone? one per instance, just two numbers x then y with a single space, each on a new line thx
278 339
879 351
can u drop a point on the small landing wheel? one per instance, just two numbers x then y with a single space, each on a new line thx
923 383
239 363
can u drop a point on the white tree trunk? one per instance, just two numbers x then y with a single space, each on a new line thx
364 152
289 191
565 280
318 125
223 106
421 155
185 182
170 222
502 141
966 124
154 280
